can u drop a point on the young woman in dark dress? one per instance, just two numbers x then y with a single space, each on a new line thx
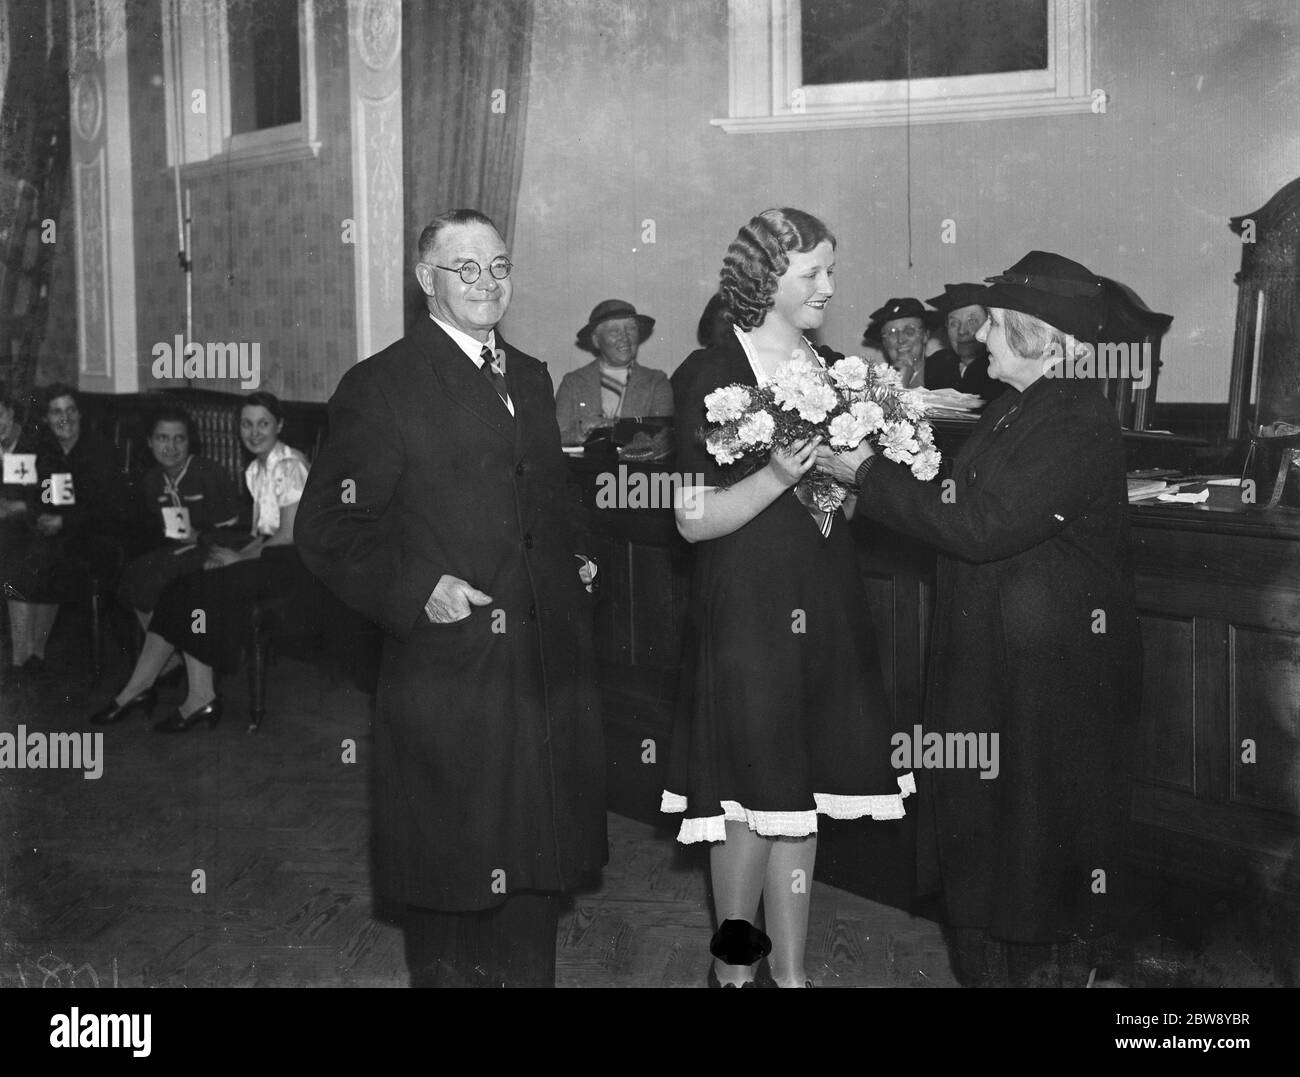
782 711
231 582
182 496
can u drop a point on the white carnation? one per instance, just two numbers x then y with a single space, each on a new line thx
887 375
912 404
816 403
851 373
926 465
847 431
897 442
726 404
722 447
756 429
869 413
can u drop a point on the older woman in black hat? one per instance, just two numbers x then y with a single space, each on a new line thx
966 355
613 386
900 325
1035 647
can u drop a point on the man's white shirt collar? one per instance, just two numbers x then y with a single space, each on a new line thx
471 347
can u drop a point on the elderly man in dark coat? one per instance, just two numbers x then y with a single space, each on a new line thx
1035 648
438 508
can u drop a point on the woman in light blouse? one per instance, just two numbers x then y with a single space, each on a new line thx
205 615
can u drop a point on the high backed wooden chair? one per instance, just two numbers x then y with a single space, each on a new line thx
1129 322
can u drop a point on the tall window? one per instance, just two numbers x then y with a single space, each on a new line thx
264 69
884 40
240 81
806 64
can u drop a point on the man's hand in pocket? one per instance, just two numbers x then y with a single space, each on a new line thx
452 600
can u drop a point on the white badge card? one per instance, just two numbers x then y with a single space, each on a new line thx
20 469
61 491
176 523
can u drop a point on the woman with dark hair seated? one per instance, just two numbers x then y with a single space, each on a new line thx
78 523
182 496
205 615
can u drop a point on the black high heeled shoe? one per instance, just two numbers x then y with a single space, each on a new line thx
111 714
738 942
715 982
179 723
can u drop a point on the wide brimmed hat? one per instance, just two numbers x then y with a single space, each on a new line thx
1062 293
613 308
899 308
906 307
956 296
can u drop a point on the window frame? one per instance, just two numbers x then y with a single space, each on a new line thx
197 37
766 91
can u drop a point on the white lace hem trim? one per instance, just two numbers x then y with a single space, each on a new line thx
788 824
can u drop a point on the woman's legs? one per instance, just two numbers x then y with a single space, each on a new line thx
201 689
40 626
739 866
145 617
787 895
153 656
20 630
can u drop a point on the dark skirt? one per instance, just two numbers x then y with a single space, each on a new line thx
145 578
54 568
782 713
208 614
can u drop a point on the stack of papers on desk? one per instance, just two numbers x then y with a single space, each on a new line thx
950 404
1142 489
1172 489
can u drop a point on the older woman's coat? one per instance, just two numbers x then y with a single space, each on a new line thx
1035 640
488 771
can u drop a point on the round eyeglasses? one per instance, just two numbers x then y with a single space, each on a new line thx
909 332
469 272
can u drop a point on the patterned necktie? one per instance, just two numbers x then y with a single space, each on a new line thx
495 376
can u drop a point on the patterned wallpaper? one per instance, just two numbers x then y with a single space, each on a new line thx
270 266
58 354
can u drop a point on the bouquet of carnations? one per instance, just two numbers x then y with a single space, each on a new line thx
850 401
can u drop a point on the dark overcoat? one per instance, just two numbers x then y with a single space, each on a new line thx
1035 638
488 771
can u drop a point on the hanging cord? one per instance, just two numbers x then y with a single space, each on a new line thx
907 125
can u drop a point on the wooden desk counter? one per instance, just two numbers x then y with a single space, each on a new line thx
1217 795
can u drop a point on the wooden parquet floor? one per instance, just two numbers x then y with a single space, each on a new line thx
97 877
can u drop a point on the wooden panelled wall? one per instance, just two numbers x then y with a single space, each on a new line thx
1218 791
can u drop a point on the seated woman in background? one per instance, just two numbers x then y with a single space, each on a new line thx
182 496
900 326
613 386
205 615
77 526
18 492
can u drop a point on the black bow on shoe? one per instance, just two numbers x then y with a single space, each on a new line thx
738 942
